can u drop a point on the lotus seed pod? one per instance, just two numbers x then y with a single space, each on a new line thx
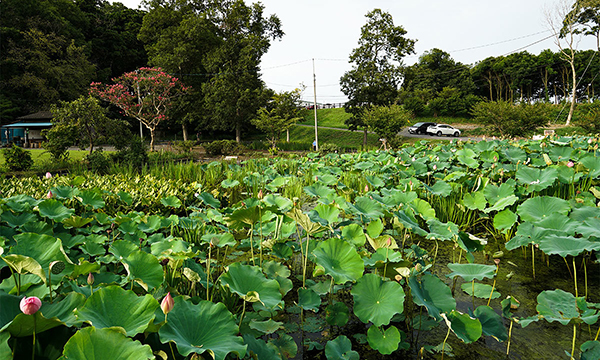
56 267
30 305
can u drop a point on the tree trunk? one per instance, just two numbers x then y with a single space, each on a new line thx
185 131
365 139
238 132
151 139
287 135
573 93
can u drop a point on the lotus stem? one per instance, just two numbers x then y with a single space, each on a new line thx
585 276
252 244
387 254
171 346
575 276
50 283
473 293
261 238
444 344
568 267
533 259
509 337
491 292
435 254
208 270
242 317
305 261
598 333
574 337
33 347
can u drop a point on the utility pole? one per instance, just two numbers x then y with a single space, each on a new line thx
139 102
315 106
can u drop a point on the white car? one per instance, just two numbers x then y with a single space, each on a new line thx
443 129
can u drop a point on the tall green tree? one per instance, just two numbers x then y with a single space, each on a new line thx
83 122
280 114
235 92
377 65
178 35
587 14
386 122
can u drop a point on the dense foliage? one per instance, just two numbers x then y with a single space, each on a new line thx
340 256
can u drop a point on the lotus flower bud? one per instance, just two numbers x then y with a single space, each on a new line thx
570 163
366 188
434 167
48 175
30 305
90 279
167 304
49 195
260 194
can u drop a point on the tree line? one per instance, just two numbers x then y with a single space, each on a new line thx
52 50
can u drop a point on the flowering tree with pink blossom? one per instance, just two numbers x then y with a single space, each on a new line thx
145 94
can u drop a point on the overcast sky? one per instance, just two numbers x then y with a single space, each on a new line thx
328 30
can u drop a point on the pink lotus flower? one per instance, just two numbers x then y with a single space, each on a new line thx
167 304
366 188
260 194
48 175
49 195
30 305
570 164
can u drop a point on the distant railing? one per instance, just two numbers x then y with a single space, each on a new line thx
323 106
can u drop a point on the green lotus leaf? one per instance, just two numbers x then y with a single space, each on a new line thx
145 269
537 208
377 301
49 316
366 209
17 220
467 157
84 268
209 200
590 228
171 201
10 305
330 213
567 175
219 240
339 260
113 306
125 197
502 203
375 181
327 179
340 349
424 323
441 231
286 345
423 209
121 249
560 224
526 234
386 341
495 193
592 163
536 179
54 210
482 291
463 326
374 228
475 201
5 350
76 222
64 192
227 183
489 156
244 217
25 265
260 348
590 350
409 222
305 222
337 314
129 227
504 220
557 305
276 183
308 299
432 293
318 190
92 199
200 328
566 245
354 234
248 281
266 327
283 204
472 271
491 323
441 188
38 227
91 343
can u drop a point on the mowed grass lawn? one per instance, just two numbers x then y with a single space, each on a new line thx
326 117
341 138
41 156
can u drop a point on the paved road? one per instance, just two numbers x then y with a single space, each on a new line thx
405 133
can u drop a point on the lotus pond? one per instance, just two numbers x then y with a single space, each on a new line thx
435 251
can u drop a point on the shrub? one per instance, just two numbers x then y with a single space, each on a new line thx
511 120
17 159
135 153
58 141
588 116
98 161
184 147
327 148
387 121
223 147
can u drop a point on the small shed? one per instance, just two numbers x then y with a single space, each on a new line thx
27 130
